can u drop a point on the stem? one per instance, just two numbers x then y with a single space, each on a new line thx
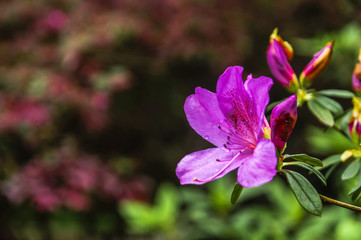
340 204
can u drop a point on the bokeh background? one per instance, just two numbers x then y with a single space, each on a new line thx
92 123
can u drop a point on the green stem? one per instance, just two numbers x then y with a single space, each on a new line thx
340 204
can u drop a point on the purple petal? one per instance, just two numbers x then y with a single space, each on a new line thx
230 80
238 107
205 118
205 167
258 89
283 119
260 167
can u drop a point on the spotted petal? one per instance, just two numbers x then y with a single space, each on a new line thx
258 89
207 165
260 167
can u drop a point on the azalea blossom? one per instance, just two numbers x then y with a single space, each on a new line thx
233 120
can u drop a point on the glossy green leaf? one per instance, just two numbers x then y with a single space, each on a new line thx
351 170
305 193
237 190
336 93
321 113
306 159
330 104
312 169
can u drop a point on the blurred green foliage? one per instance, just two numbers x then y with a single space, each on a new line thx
267 212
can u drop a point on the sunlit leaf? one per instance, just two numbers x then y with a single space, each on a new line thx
305 193
306 159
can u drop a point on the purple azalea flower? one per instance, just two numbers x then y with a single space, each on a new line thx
233 120
318 63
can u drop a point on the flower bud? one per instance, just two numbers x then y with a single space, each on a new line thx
279 53
318 63
283 119
356 76
354 125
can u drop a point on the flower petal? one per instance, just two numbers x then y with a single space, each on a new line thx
207 165
204 120
237 106
258 89
260 167
283 119
230 80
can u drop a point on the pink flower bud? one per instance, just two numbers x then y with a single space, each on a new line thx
354 125
318 63
283 119
279 53
356 76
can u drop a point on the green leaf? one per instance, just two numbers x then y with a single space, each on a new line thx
330 104
355 197
237 190
306 159
336 158
336 93
351 170
305 193
354 189
343 120
355 192
330 170
321 113
312 169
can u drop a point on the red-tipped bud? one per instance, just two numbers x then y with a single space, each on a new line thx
356 76
283 119
318 63
279 53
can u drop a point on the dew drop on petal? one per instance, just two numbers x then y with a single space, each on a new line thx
206 137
